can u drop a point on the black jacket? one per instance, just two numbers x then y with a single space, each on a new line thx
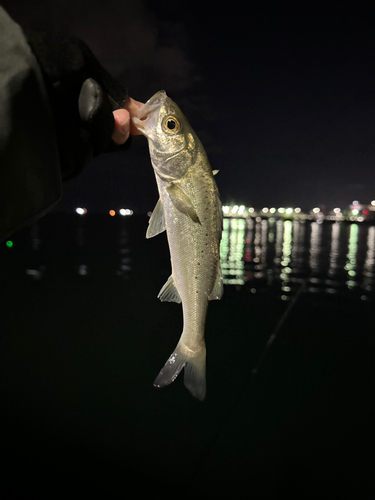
56 104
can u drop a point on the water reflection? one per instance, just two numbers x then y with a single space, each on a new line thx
36 268
231 250
124 264
369 265
82 266
331 257
64 245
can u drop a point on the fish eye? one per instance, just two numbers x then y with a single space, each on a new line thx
171 125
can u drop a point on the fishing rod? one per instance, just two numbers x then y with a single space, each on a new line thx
276 330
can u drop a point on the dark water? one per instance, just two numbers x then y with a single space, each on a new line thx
83 337
273 256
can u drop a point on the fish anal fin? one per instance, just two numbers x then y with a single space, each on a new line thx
156 224
218 288
169 292
182 202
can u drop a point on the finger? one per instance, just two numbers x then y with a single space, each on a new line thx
122 126
132 106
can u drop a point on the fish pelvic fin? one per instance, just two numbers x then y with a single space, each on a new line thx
156 224
194 364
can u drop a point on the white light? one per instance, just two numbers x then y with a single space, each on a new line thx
355 202
81 211
241 210
226 210
289 211
297 210
251 210
316 210
360 219
337 210
355 211
373 203
234 209
281 210
265 210
125 211
272 210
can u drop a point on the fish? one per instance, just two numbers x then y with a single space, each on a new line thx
190 211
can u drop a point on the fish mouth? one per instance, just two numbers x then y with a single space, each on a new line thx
153 103
149 107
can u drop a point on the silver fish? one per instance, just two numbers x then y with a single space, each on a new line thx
189 209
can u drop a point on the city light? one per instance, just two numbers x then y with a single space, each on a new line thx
9 244
125 211
351 212
355 202
112 213
81 210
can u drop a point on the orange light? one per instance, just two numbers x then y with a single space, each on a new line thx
112 213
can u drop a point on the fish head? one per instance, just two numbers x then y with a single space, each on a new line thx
172 142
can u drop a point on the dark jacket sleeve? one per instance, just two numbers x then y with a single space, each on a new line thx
56 108
30 175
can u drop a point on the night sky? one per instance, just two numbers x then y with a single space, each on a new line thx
282 96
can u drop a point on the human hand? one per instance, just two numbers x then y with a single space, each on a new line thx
123 123
72 73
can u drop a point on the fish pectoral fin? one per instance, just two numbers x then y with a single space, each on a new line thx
156 224
182 202
218 289
169 292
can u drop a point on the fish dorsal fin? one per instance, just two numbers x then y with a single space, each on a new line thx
182 202
218 289
156 224
169 292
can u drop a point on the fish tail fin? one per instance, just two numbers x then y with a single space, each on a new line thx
195 370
